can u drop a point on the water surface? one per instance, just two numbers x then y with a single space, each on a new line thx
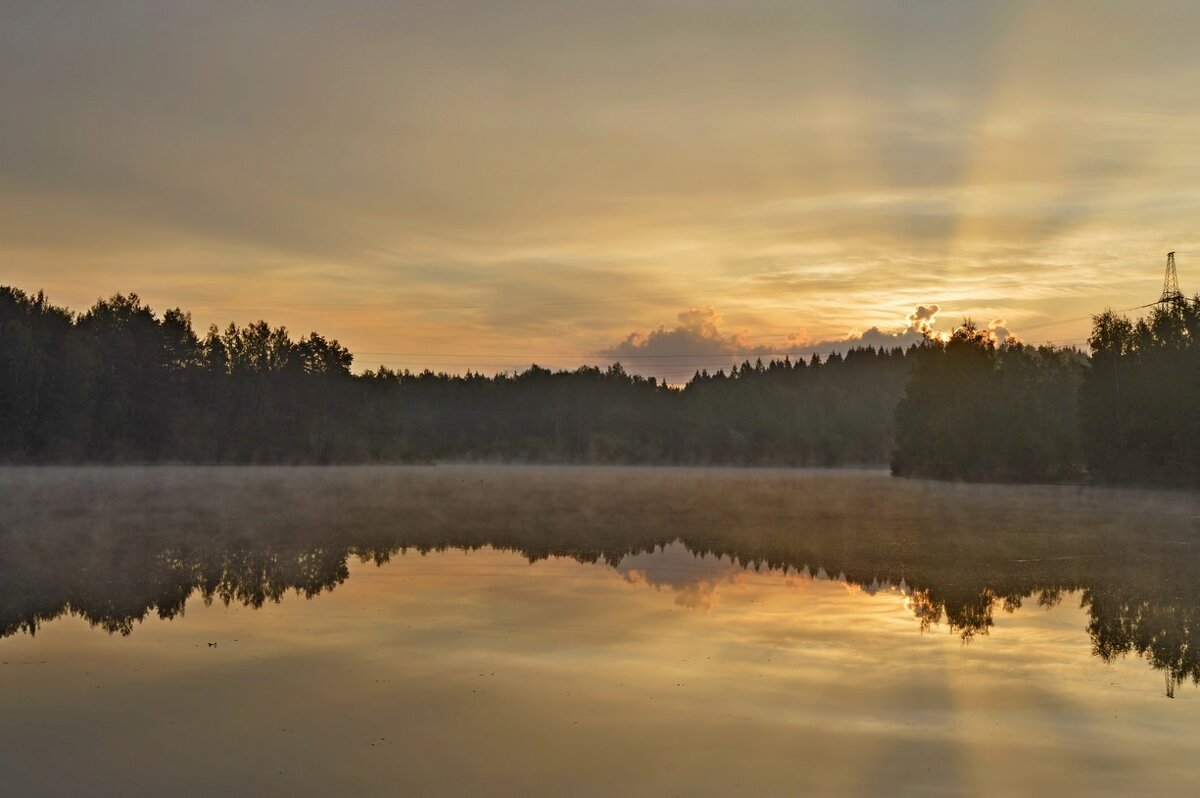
472 630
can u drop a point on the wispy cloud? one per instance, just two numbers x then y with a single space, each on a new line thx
542 178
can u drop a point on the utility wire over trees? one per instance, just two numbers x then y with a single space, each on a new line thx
1129 413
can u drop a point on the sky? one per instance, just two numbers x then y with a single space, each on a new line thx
481 185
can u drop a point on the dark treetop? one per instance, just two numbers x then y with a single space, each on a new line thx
118 383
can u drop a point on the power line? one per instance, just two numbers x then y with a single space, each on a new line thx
606 355
675 362
701 356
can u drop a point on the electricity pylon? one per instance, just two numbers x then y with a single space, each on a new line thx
1171 295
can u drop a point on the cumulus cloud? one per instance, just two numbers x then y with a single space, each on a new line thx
923 317
698 333
1000 331
920 324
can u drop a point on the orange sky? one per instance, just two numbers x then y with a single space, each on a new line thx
482 185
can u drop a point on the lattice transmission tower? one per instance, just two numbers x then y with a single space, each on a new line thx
1171 294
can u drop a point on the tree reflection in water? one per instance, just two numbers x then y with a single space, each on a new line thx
114 546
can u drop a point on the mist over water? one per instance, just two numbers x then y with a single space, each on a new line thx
714 631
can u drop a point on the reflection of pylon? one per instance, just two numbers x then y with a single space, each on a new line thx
1171 294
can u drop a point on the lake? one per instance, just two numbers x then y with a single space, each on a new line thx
475 630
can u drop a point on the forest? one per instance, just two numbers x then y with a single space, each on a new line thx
1128 413
119 383
974 410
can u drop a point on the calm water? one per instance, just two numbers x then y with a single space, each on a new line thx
539 631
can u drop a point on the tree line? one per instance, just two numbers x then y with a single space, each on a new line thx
119 383
1129 412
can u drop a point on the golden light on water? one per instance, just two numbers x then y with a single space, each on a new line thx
500 671
540 630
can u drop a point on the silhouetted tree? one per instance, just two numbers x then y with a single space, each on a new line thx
976 410
118 383
1141 401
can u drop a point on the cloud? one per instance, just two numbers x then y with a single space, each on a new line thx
698 337
923 317
1000 331
921 323
694 580
697 333
827 159
873 337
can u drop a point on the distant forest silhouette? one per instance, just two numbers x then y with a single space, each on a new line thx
117 546
118 383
